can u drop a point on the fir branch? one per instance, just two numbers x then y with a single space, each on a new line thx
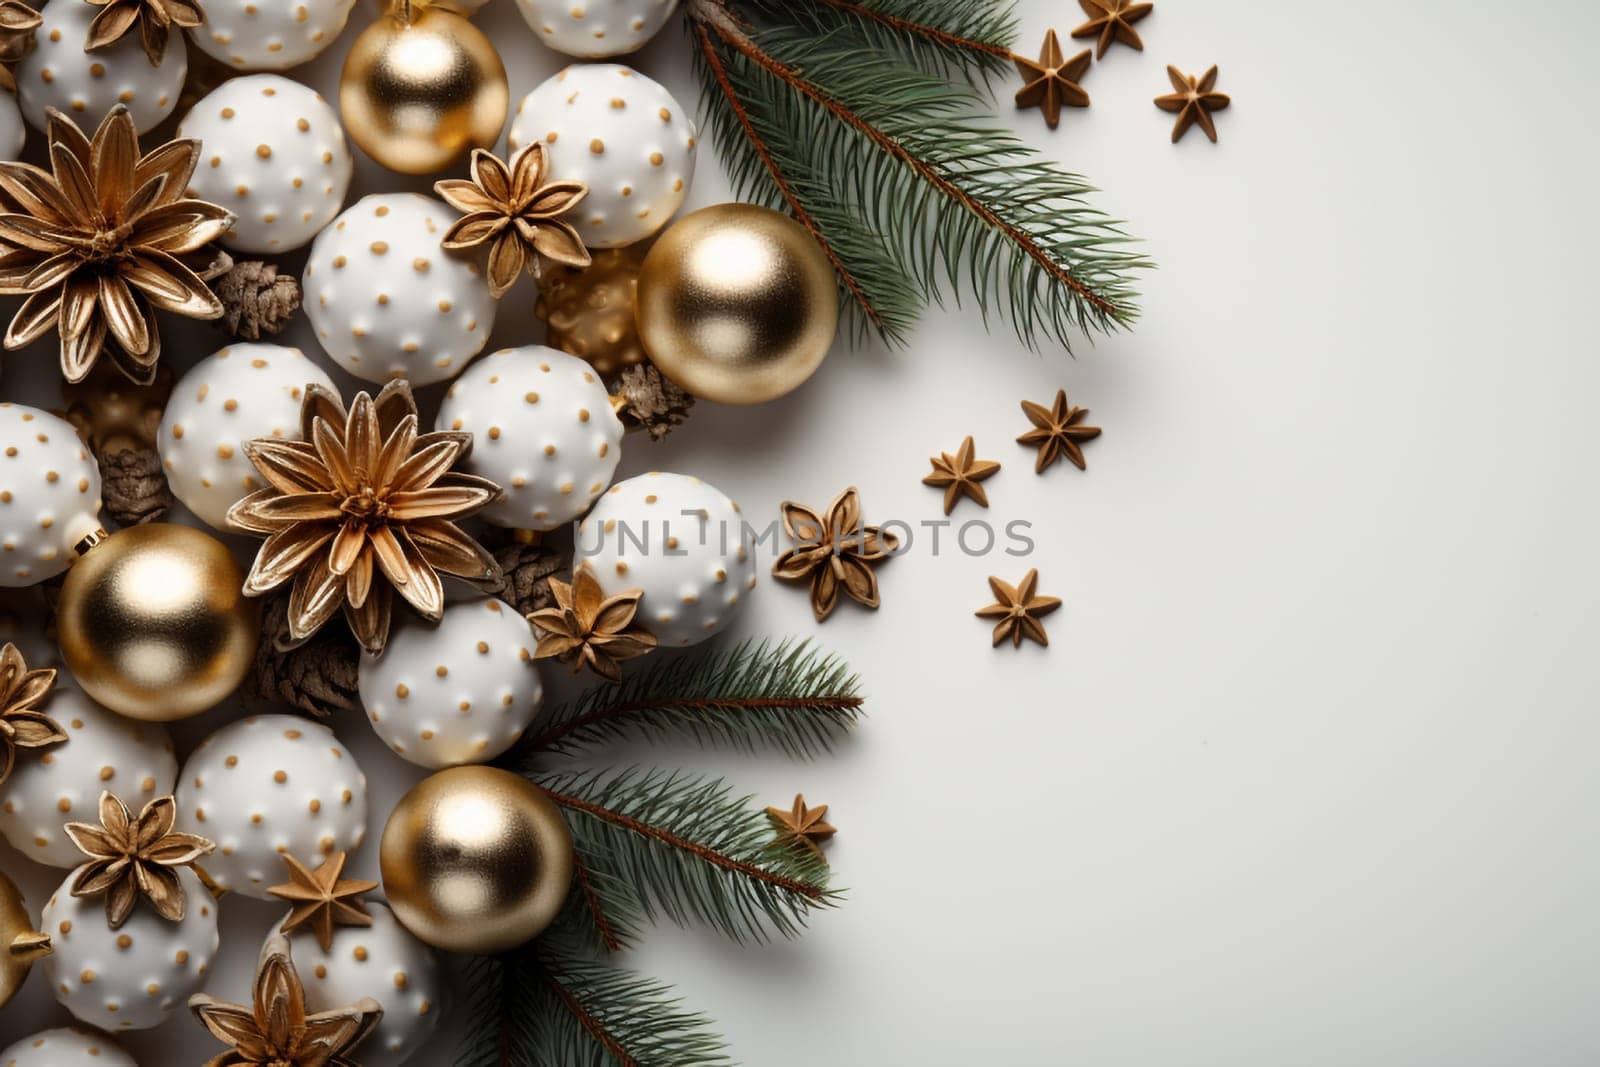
499 1012
971 37
654 843
752 696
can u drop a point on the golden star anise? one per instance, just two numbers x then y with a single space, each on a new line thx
17 23
516 214
959 475
802 826
1193 103
101 242
1057 431
129 857
22 724
588 629
1112 20
1019 608
1052 82
833 553
359 508
153 18
275 1031
322 899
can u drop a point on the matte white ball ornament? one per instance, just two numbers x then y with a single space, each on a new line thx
620 133
235 395
683 543
274 154
594 29
543 429
49 494
266 785
13 133
388 302
59 74
66 1047
270 34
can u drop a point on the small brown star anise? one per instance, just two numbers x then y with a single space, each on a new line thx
1019 608
1193 103
360 508
275 1031
516 213
1052 82
588 629
322 899
833 553
17 23
1057 431
802 826
1112 20
959 475
131 857
22 724
154 19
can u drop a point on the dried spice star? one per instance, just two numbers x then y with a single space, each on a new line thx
801 826
833 553
1194 101
1110 21
1052 82
17 23
103 240
515 214
22 724
322 899
362 507
1019 608
275 1030
1057 431
129 858
588 629
153 19
959 475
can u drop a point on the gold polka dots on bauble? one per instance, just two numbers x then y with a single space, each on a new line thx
49 494
59 74
595 29
66 1047
270 34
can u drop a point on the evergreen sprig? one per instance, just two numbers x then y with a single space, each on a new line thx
753 696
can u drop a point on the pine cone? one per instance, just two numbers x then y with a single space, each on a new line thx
526 570
653 401
318 677
133 486
258 301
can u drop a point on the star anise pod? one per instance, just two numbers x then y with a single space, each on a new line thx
588 629
959 475
1051 83
17 23
1193 103
275 1031
802 826
1057 431
22 724
516 214
833 553
361 507
131 857
1112 20
1019 608
100 242
322 899
153 18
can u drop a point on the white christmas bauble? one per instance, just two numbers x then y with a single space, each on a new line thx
274 154
49 494
543 430
243 392
382 961
13 134
270 34
53 786
135 977
266 785
462 7
461 691
682 543
66 1047
387 301
83 85
594 29
620 133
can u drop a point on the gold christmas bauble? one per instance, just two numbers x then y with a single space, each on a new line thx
588 312
20 944
421 88
737 304
476 859
154 624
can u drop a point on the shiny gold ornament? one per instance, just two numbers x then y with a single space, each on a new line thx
476 859
20 943
737 304
421 88
588 313
154 623
114 414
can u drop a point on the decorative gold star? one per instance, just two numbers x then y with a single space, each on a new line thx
1194 102
1052 82
1057 431
322 899
1019 608
959 475
802 826
1112 20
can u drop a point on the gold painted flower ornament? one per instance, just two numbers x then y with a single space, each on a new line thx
153 19
17 23
22 724
361 508
131 858
586 628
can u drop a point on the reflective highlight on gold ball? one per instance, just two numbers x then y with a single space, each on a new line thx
20 944
737 304
419 92
154 624
476 859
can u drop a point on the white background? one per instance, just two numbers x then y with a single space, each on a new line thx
1307 773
